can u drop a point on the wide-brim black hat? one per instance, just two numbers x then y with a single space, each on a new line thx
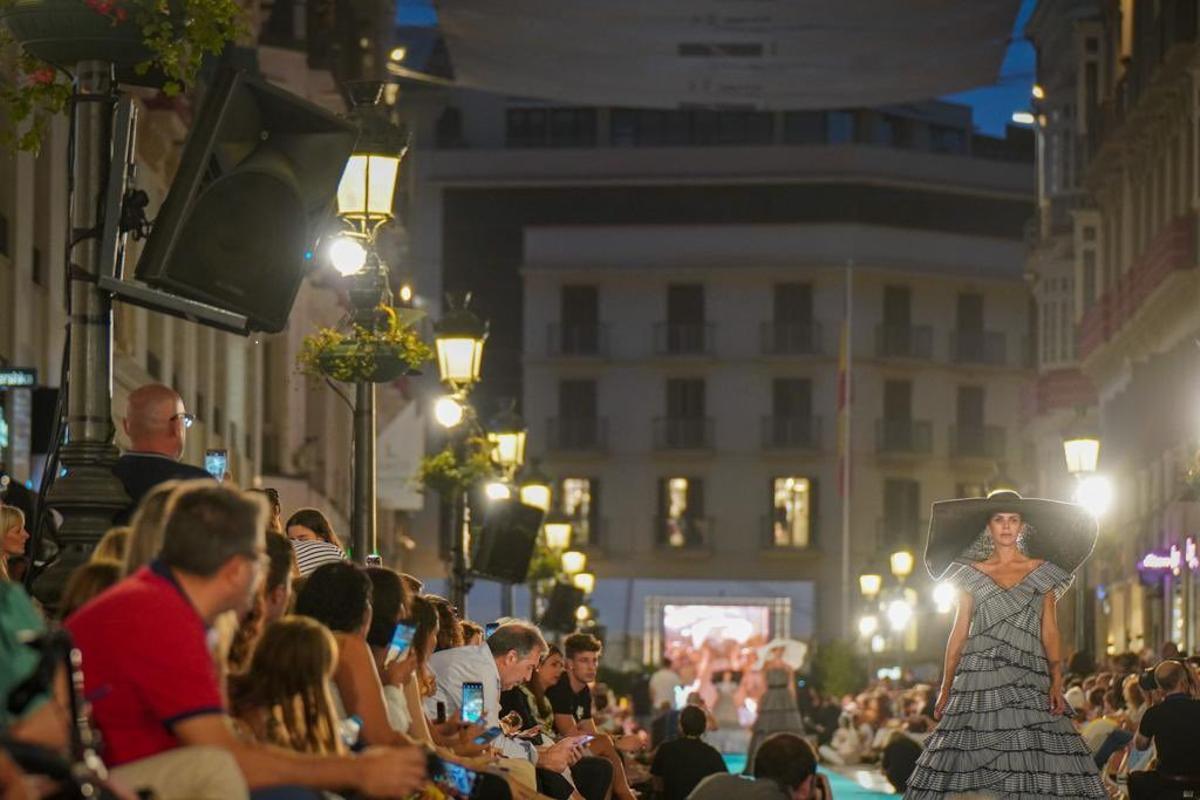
1064 533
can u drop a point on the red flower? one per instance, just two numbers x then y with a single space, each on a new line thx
121 14
42 77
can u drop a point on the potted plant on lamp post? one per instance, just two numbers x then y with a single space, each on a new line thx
156 43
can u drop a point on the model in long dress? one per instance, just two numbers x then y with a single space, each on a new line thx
777 710
1002 732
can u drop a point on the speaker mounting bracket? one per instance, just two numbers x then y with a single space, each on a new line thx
140 294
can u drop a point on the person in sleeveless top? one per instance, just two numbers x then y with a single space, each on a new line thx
1002 727
777 709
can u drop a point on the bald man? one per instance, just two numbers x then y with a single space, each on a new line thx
156 423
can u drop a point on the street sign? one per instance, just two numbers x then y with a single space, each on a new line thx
18 377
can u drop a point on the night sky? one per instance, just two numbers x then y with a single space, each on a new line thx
993 104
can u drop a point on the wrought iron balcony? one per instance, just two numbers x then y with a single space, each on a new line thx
573 339
903 436
684 338
577 434
977 441
791 339
904 341
683 433
791 433
978 347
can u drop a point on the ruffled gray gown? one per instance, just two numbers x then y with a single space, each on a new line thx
997 736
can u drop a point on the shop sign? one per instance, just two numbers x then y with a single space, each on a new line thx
1174 559
18 377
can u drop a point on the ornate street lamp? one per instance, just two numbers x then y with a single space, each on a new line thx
535 487
574 562
1081 446
459 337
870 584
585 582
506 434
902 564
364 204
557 529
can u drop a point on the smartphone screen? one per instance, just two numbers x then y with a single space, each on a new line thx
454 779
441 712
216 463
488 735
472 703
401 641
489 629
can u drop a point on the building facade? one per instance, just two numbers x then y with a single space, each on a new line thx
1133 91
666 291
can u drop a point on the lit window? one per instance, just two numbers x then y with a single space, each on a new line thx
682 523
578 504
791 512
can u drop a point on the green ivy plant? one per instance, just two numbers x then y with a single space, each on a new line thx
352 355
177 34
449 471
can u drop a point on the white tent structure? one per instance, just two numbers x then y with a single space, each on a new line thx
761 54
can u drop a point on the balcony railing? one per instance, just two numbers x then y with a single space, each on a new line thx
683 433
903 436
687 533
576 339
577 434
977 441
777 537
684 338
791 339
978 347
897 532
791 433
904 341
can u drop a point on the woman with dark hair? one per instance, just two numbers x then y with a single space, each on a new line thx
450 631
339 596
314 540
391 606
546 675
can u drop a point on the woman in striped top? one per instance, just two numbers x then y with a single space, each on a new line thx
313 539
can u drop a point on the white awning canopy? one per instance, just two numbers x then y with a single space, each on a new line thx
765 54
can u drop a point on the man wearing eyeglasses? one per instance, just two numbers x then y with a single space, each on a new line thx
156 423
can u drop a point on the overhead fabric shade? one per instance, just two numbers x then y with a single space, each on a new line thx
763 54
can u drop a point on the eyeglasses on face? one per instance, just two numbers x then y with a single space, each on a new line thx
187 419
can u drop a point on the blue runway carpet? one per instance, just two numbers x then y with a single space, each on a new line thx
844 788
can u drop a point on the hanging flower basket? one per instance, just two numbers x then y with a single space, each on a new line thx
379 355
155 43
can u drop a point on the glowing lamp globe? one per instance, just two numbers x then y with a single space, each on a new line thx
507 433
448 411
535 488
574 562
347 255
870 584
558 533
902 564
585 582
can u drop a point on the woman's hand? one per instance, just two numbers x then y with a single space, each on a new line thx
400 670
940 706
1058 704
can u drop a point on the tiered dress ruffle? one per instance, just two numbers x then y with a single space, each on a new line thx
997 737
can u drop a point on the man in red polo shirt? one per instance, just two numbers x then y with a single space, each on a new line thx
150 676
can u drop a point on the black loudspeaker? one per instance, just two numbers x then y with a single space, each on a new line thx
255 183
505 544
561 607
